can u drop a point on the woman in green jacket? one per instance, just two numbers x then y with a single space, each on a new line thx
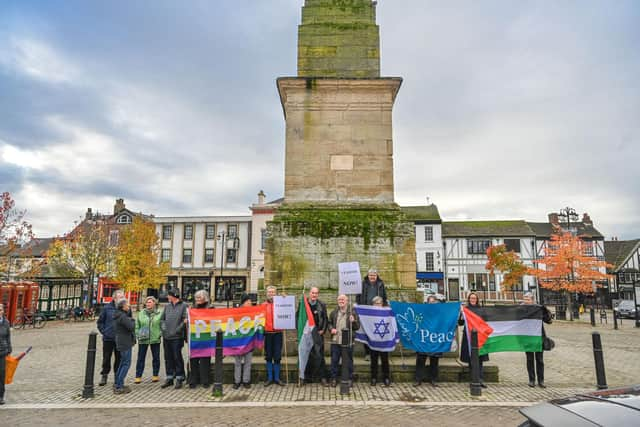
148 333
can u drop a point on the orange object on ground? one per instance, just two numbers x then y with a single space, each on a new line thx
10 368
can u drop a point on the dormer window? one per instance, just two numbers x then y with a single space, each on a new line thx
124 219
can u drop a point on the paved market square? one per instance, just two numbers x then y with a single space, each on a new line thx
51 377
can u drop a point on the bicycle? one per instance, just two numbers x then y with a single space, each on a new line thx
36 320
64 313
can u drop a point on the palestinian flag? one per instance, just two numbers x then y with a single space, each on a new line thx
306 325
508 328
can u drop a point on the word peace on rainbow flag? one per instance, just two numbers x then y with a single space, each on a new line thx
242 327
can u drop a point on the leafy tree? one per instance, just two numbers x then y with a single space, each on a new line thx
137 257
83 253
566 268
508 263
15 232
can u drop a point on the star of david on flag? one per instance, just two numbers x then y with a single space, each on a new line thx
378 327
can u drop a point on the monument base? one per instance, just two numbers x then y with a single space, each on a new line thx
307 241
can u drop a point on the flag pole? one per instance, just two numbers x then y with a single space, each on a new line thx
304 287
284 338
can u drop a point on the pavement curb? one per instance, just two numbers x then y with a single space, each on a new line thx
185 405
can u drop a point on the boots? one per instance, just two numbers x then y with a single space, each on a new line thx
276 374
103 380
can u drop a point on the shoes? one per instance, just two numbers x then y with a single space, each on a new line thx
541 384
280 383
236 386
373 382
167 383
334 382
434 383
103 380
532 383
123 390
155 379
367 358
387 382
324 382
301 383
206 385
192 386
417 383
246 385
137 380
483 385
267 383
178 384
1 401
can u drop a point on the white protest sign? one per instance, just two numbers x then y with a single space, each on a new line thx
350 280
284 312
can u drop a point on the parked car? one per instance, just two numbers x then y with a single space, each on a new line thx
616 407
626 309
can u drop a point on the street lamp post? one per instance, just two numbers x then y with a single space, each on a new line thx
222 236
569 214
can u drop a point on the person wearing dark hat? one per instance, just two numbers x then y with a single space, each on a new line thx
200 367
173 322
242 362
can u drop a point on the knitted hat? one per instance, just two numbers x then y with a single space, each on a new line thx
245 298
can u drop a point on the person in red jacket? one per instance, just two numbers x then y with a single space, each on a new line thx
272 343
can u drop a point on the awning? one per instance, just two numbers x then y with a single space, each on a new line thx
430 275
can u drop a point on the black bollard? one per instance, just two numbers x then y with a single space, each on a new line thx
593 316
218 372
344 372
598 356
615 320
87 391
475 388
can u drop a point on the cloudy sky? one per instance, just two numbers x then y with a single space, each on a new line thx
508 110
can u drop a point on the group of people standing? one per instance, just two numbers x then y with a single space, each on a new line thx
154 326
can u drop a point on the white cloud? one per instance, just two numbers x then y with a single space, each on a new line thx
39 61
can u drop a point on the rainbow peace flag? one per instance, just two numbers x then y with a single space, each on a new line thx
243 330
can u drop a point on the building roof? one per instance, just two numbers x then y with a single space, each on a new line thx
422 214
546 229
200 219
37 247
515 228
616 252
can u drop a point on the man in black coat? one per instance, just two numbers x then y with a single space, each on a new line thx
106 328
372 286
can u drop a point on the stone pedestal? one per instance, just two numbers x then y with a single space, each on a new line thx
307 242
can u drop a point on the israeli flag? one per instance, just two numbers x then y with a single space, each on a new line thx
378 327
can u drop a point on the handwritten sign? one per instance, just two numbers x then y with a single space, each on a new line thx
350 279
284 312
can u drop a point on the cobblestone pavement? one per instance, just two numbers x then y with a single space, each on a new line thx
53 374
334 416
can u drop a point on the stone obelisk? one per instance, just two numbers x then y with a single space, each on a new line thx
339 195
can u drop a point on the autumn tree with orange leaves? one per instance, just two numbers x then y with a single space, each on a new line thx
137 257
508 263
15 232
566 268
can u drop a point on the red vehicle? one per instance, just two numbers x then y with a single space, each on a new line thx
106 287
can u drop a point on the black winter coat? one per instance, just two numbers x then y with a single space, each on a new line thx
124 327
5 338
465 350
370 291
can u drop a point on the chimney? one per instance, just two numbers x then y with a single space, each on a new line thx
261 197
586 219
119 206
89 214
553 219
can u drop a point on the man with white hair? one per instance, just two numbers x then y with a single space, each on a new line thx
342 318
106 328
